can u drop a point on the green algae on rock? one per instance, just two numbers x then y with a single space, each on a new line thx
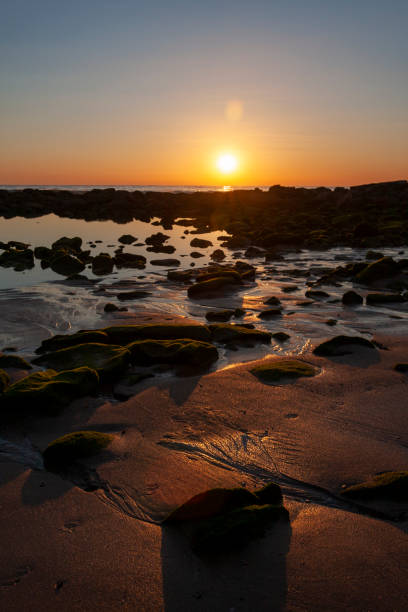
107 359
378 270
341 345
4 380
391 486
276 370
61 341
50 391
77 445
226 332
124 334
183 351
14 361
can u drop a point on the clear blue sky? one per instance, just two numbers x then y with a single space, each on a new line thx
133 92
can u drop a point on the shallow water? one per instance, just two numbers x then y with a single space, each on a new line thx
37 303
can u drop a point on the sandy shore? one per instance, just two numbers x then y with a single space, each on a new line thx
68 549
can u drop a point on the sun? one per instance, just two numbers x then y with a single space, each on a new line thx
227 163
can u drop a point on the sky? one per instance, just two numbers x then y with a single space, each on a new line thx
299 92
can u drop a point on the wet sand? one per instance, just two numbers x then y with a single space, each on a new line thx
69 549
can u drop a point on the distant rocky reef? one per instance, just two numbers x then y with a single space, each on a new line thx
284 217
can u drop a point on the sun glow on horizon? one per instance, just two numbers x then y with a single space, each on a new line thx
227 163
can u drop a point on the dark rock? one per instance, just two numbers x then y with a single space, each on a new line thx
401 367
19 260
316 294
169 263
238 334
196 254
179 276
270 313
130 260
200 243
66 264
162 248
384 298
127 239
13 361
217 255
253 251
219 315
389 486
341 345
156 239
280 336
378 270
137 294
351 298
124 334
193 353
69 244
63 341
272 301
71 447
374 255
102 264
4 380
213 286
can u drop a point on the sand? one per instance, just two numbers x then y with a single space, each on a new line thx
64 548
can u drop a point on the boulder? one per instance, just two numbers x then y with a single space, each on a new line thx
254 251
156 239
77 445
102 264
316 294
50 391
272 301
351 298
341 345
217 255
18 259
64 340
13 361
274 371
213 287
378 270
219 315
389 486
238 334
127 239
129 260
181 352
179 276
69 244
212 502
384 298
280 336
137 294
200 243
124 334
66 264
107 359
169 263
196 254
4 380
270 313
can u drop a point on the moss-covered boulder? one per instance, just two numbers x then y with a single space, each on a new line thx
384 298
383 268
274 371
341 345
213 287
124 334
107 359
66 264
181 352
212 502
391 486
61 341
77 445
4 380
49 391
351 298
14 361
238 334
219 272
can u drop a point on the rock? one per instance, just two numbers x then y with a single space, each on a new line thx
132 295
193 353
69 244
125 334
162 248
341 345
156 239
289 288
42 252
109 307
18 259
200 243
225 333
129 260
213 286
272 301
71 447
274 371
269 494
384 298
66 264
127 239
102 264
280 336
391 486
165 262
179 276
378 270
253 251
270 313
13 361
212 502
219 315
316 294
107 359
4 380
331 322
217 255
196 254
351 298
374 255
50 391
63 341
218 273
401 367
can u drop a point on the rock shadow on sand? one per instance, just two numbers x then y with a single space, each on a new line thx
248 579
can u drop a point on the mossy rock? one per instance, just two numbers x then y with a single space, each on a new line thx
4 380
274 371
401 367
341 345
107 359
71 447
391 486
186 352
384 298
213 286
219 315
235 529
224 332
378 270
14 361
50 391
63 341
212 502
124 334
233 275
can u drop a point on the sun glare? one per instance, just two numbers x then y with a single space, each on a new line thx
227 163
